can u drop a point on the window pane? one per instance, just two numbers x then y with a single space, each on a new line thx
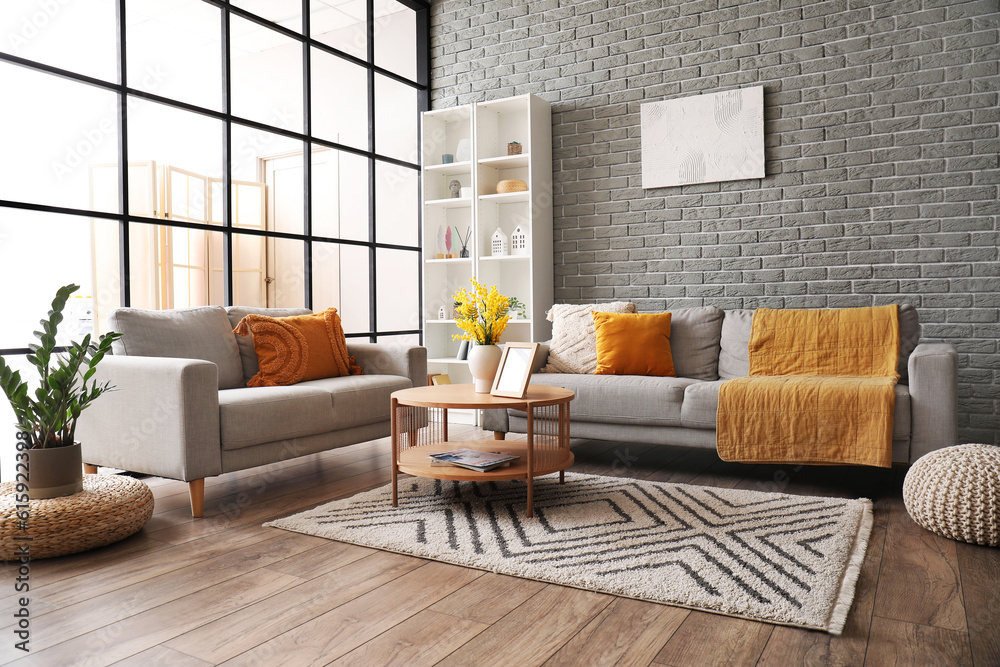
174 267
266 71
286 13
249 270
396 290
174 153
395 119
31 287
396 204
340 280
173 50
396 38
340 195
340 24
285 261
265 159
339 100
55 132
407 340
76 36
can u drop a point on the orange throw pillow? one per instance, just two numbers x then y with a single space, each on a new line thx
633 344
299 348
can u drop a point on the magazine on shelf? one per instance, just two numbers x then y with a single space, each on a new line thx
473 459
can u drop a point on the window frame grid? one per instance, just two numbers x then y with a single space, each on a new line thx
123 92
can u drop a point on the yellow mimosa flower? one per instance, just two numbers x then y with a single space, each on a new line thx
482 313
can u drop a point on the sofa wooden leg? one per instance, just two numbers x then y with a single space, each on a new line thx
499 435
196 489
89 468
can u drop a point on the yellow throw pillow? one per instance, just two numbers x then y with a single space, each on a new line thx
298 348
633 344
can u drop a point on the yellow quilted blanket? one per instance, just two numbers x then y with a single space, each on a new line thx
820 390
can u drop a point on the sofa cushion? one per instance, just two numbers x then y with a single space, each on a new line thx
574 348
621 399
359 399
248 356
182 333
633 344
695 334
909 336
734 357
701 403
255 415
734 353
302 347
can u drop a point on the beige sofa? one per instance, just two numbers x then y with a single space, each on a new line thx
709 346
182 409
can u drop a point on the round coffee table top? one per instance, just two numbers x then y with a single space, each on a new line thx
463 396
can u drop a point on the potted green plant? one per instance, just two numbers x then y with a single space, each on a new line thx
46 420
518 307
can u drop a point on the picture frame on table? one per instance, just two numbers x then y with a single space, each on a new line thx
511 380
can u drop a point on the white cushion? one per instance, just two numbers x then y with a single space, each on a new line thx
574 342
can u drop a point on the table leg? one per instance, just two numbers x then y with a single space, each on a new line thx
563 436
444 423
395 450
531 460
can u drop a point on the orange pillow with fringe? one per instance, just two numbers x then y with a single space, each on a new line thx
633 344
294 349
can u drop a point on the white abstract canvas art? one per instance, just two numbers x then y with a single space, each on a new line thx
704 138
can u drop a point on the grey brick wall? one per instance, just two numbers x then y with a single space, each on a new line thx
882 138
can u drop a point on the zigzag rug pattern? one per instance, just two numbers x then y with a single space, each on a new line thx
790 560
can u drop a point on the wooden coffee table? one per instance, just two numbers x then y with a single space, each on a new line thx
420 428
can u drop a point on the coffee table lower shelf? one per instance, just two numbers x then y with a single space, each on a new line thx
420 428
416 461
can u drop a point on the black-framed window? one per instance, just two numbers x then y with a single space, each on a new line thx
272 152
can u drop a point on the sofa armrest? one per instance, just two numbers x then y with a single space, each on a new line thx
162 418
933 377
382 359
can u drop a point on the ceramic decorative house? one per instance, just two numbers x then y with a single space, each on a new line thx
498 243
518 242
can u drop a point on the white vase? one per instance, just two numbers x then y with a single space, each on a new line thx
483 363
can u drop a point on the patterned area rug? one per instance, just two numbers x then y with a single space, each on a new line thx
791 560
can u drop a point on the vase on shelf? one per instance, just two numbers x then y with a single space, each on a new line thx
483 363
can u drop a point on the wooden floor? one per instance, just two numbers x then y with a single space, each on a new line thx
223 589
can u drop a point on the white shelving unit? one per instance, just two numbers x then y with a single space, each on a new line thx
476 135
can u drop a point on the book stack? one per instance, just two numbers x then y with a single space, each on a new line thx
473 459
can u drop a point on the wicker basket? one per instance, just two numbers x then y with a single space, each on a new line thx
512 185
110 508
513 149
955 492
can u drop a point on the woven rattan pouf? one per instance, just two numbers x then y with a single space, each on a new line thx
955 492
110 508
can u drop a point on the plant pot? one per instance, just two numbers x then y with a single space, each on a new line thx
483 363
54 472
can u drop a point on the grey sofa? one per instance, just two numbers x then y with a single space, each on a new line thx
709 346
182 409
